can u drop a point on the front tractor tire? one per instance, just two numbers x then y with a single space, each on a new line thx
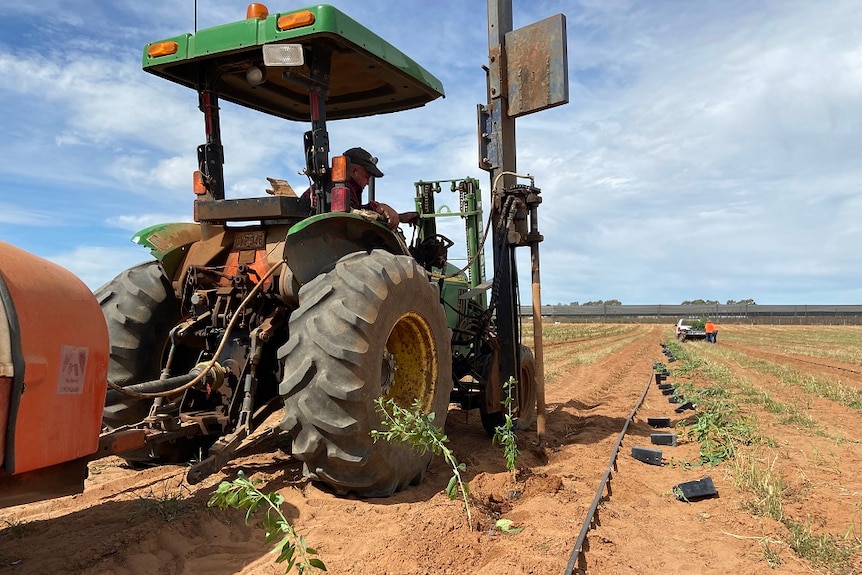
371 327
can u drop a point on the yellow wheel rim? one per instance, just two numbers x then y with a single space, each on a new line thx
410 362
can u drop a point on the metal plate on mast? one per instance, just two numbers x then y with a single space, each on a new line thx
537 66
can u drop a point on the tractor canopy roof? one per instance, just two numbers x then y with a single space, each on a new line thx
366 74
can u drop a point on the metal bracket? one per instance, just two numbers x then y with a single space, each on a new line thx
490 146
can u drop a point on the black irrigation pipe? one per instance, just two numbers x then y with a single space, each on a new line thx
578 552
824 365
811 362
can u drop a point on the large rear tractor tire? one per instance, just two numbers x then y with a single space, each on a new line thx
523 398
373 326
140 309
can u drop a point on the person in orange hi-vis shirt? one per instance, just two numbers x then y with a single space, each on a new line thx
711 332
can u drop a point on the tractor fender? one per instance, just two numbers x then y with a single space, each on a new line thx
314 245
169 242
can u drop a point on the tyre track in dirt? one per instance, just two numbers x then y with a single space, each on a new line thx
560 360
589 403
591 341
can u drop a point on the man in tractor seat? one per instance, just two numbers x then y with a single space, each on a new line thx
362 166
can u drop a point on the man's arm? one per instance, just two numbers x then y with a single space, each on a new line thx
385 210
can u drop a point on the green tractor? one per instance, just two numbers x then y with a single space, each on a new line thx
294 302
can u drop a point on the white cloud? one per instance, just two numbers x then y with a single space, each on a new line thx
12 214
719 135
138 222
96 265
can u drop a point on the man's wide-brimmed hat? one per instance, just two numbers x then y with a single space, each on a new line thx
361 157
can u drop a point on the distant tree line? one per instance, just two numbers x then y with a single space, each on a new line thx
714 302
686 302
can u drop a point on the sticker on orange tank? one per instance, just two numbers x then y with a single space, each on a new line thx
73 367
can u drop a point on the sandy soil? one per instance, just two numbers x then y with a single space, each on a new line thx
150 521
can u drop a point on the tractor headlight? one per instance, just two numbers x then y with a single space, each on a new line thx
283 55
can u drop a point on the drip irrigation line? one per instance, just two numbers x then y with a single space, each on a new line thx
578 552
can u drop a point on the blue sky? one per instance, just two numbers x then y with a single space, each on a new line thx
709 150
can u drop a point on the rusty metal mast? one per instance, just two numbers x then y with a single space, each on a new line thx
502 159
527 72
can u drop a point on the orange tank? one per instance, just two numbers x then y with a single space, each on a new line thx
53 369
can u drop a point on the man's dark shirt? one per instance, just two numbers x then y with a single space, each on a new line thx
355 197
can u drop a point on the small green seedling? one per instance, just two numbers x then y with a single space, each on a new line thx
167 507
242 493
15 528
417 429
505 434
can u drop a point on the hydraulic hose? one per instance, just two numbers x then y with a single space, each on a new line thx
128 390
154 386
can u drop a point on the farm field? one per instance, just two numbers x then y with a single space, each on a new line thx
779 414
